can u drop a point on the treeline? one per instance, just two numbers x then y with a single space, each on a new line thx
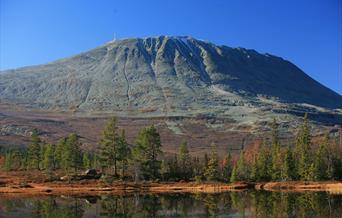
116 159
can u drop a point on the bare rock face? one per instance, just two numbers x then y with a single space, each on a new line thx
170 76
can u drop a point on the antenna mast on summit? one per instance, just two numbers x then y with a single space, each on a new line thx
114 37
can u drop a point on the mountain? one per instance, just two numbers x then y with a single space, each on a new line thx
158 77
163 76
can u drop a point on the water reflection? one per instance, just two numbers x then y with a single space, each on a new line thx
232 204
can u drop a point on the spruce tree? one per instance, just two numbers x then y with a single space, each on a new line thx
205 161
264 163
147 152
184 161
211 173
227 167
330 153
335 158
164 170
254 169
110 143
8 161
49 158
320 163
14 159
311 172
42 155
276 158
302 150
288 165
138 158
59 153
95 161
72 155
241 169
86 160
233 177
124 153
34 150
197 168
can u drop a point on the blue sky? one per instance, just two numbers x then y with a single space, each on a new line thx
306 32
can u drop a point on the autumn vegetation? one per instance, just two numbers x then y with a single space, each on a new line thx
301 160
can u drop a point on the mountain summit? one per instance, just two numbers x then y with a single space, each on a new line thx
166 76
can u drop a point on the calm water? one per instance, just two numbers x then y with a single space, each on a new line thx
232 204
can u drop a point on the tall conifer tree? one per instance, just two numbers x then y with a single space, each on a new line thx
34 150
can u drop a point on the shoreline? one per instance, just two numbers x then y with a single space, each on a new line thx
121 188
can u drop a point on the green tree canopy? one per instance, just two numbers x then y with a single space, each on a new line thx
147 152
110 142
211 173
184 161
34 150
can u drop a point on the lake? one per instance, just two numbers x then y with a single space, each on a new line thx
229 204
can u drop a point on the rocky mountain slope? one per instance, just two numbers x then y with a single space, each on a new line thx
163 76
232 89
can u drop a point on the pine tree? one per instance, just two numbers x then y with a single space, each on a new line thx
184 161
197 168
335 158
148 150
86 160
276 158
42 155
233 177
241 167
174 168
34 150
164 170
288 165
8 161
60 149
49 158
95 161
227 167
211 172
330 156
13 160
137 160
320 163
205 161
66 157
264 163
311 173
302 150
254 169
72 155
124 153
110 141
23 159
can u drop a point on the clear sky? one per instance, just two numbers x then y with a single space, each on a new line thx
306 32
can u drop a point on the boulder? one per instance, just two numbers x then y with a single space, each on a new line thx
90 172
65 178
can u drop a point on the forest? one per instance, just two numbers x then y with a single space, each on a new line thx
301 160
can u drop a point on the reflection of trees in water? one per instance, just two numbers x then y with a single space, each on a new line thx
7 206
177 205
130 206
46 207
280 204
242 204
150 205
